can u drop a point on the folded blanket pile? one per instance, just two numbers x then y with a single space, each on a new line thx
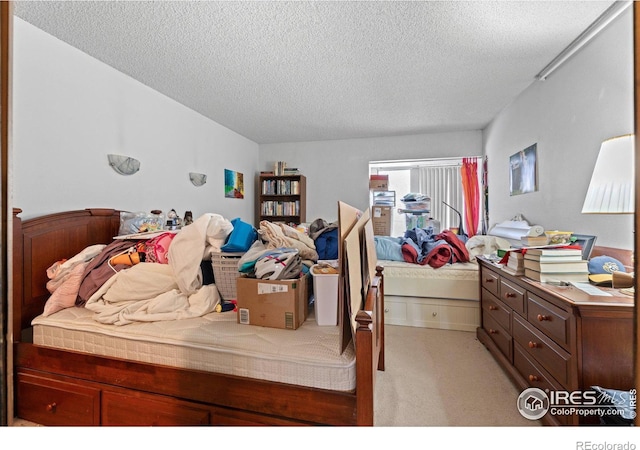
421 246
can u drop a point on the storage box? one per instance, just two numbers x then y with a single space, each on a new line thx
325 294
381 220
421 221
379 182
272 303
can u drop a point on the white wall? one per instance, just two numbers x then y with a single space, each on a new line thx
587 100
70 110
339 170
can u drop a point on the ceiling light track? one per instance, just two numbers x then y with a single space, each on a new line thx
596 27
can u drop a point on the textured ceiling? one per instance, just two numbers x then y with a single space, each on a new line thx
276 71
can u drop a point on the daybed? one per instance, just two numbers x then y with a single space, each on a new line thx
446 297
70 370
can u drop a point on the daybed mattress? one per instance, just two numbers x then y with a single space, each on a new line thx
452 281
308 356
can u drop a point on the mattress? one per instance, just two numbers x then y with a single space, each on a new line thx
457 281
308 356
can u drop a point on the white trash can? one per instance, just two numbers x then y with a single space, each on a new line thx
325 293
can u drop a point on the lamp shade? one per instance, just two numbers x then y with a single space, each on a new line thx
611 190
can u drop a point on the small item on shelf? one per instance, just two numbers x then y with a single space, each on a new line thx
173 221
188 217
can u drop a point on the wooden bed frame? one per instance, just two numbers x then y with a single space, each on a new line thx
59 387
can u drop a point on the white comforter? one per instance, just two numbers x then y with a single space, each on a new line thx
150 292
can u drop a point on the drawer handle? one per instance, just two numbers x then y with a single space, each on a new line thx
51 407
492 331
533 378
542 317
386 310
509 295
493 308
488 280
533 344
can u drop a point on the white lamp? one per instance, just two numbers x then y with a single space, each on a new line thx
611 190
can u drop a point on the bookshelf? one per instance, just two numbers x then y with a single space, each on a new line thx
282 198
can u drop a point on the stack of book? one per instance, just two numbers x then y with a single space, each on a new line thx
515 263
532 241
555 265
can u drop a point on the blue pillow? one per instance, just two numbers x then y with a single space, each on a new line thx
389 248
241 237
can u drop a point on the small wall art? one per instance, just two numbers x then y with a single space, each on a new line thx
523 171
233 184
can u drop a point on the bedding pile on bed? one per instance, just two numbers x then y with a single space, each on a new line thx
164 277
121 289
421 246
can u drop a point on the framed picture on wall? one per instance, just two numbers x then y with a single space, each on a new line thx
233 184
523 171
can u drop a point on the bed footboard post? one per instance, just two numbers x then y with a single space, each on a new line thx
365 372
380 308
369 348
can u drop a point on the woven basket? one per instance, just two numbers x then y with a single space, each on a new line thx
225 272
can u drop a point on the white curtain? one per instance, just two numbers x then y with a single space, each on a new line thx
441 184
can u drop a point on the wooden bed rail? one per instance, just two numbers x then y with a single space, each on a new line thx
369 342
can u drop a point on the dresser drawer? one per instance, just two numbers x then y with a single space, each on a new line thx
494 308
513 296
551 356
53 402
537 377
551 320
491 281
499 335
532 372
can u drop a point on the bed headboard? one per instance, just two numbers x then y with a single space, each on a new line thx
41 241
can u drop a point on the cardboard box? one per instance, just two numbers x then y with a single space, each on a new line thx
381 220
379 182
274 304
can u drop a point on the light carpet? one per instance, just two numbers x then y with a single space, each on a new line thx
442 378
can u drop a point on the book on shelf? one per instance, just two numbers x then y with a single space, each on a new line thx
529 241
555 267
553 258
557 251
279 167
544 277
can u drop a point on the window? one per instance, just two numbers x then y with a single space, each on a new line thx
439 179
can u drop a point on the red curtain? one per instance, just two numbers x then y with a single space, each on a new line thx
471 194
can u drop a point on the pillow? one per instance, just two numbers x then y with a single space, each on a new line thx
241 238
388 248
65 295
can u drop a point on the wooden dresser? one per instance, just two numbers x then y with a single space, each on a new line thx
556 337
